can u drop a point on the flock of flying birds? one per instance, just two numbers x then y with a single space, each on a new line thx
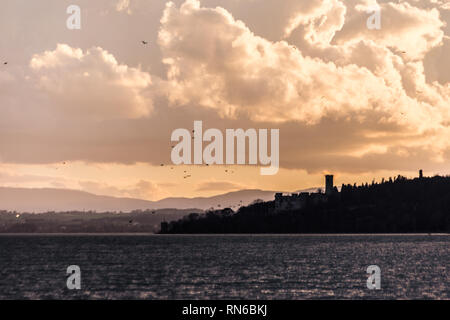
187 175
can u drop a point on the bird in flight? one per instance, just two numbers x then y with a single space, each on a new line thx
144 42
5 63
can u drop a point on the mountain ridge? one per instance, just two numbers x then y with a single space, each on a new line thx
53 199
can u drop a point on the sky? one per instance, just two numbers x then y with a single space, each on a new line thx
93 108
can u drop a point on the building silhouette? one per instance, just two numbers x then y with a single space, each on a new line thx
329 184
295 201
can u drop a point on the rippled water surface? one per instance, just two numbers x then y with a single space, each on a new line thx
224 266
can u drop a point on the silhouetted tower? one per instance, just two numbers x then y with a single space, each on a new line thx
420 174
329 184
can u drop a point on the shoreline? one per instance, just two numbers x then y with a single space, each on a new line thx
226 234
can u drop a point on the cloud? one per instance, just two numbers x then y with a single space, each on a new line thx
90 83
245 75
70 99
142 189
218 186
404 27
284 16
7 178
366 90
123 5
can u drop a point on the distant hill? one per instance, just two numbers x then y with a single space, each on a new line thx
139 221
230 199
48 199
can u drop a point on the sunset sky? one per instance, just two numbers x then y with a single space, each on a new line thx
93 109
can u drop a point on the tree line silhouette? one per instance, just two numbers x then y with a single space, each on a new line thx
399 205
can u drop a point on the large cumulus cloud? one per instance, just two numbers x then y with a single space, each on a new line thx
90 84
241 73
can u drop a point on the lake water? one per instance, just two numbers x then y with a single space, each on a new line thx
224 266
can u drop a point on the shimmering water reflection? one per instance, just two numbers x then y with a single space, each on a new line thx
224 266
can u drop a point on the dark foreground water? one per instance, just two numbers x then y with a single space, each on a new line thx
224 266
